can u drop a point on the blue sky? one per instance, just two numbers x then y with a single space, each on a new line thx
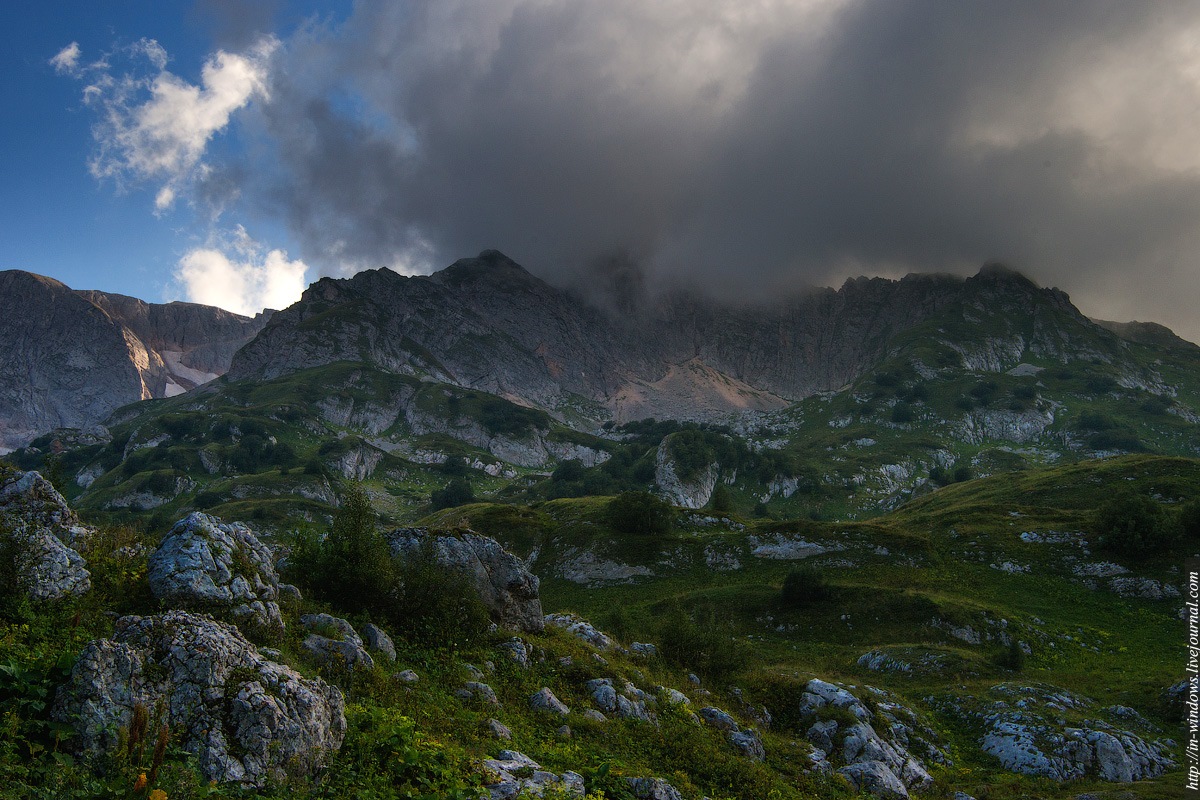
60 220
228 151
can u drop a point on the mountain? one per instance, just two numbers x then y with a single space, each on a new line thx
73 357
485 323
828 404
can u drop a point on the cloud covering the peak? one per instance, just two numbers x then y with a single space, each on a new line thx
741 146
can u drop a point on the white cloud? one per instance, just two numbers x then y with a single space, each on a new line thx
157 126
238 275
67 60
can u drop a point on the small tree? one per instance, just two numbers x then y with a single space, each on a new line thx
457 492
641 513
721 500
1189 519
1133 525
803 585
353 566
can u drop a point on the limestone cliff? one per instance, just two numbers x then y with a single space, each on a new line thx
71 358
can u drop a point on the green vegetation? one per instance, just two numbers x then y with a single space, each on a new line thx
1135 526
640 513
803 585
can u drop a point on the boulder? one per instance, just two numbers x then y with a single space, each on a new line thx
875 778
474 690
333 639
29 501
517 650
376 639
247 719
719 719
205 564
40 528
652 789
748 744
506 587
581 628
603 694
544 700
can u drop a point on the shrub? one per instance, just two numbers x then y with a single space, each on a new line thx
705 645
1095 421
568 471
640 513
803 585
1189 519
457 492
434 607
1133 525
902 413
1010 658
454 466
721 500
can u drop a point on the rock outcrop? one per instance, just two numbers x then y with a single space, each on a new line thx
247 719
883 765
38 528
208 565
1028 731
505 585
693 491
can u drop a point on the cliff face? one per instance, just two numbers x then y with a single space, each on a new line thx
71 358
485 323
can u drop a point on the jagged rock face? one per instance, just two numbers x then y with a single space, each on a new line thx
247 719
204 563
72 358
505 585
486 323
40 527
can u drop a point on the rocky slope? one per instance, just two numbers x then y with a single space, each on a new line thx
71 358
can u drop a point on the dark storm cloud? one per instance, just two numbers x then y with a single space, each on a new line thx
753 145
235 24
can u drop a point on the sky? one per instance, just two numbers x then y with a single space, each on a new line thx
231 152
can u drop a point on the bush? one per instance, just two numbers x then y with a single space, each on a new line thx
705 645
722 499
1010 658
434 607
457 492
1189 519
902 413
1133 525
640 513
454 466
803 585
